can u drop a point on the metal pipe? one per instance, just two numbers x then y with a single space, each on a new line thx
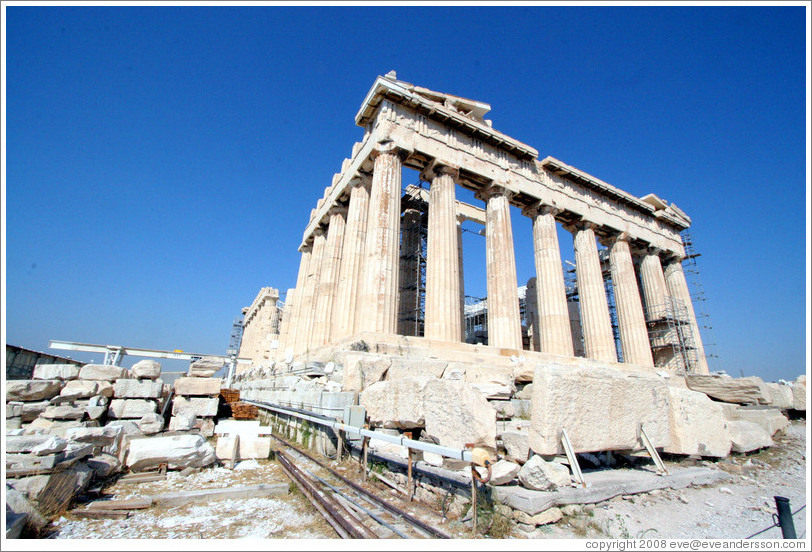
785 518
447 452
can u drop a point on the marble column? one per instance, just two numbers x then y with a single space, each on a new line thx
310 292
462 280
678 288
504 323
442 259
346 305
551 295
655 290
285 324
531 311
296 298
631 321
409 272
328 279
599 342
379 293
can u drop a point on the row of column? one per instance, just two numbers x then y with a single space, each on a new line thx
350 277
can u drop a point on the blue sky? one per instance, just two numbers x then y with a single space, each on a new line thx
162 162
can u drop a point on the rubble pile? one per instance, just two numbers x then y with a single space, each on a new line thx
197 401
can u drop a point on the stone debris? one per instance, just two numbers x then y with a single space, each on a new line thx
205 367
748 436
32 390
152 423
56 371
503 472
182 421
101 372
177 451
697 425
750 390
146 369
540 475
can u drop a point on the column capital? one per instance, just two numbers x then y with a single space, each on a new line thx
337 210
362 179
618 237
580 224
435 168
671 257
306 248
389 147
492 190
318 231
540 208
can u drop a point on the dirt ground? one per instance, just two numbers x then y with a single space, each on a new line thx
735 508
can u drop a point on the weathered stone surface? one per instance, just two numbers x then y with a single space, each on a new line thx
14 409
552 515
205 426
697 425
182 421
799 393
53 426
522 408
457 414
250 446
517 445
97 436
361 371
733 390
32 410
454 371
52 445
104 465
146 369
780 396
32 390
748 436
24 443
396 404
503 472
404 367
98 400
150 424
201 406
73 411
198 386
525 393
495 382
129 427
13 424
178 451
102 372
770 419
83 389
56 371
131 408
31 487
204 368
95 412
539 475
504 409
601 408
137 389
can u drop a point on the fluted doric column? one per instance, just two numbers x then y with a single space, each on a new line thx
462 280
655 290
310 292
285 324
286 348
349 282
531 314
599 342
328 279
504 323
409 272
631 320
678 288
379 294
551 295
442 259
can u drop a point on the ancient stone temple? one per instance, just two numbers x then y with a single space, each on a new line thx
359 274
260 327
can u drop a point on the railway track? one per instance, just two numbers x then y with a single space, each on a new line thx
353 511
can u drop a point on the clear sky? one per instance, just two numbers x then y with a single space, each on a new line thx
162 161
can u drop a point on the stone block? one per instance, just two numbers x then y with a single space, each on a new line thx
84 389
200 406
799 394
131 408
31 487
726 389
517 445
56 371
250 446
32 390
748 436
526 392
13 423
104 465
182 421
332 404
101 372
95 412
601 408
540 475
504 409
178 451
198 386
457 414
14 409
146 369
150 424
32 410
128 427
53 426
361 371
551 515
697 425
404 367
96 436
24 443
205 426
770 419
780 396
396 404
495 382
52 445
522 408
205 367
137 389
503 472
73 411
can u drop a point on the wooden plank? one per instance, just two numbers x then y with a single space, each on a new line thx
101 514
209 495
129 504
145 478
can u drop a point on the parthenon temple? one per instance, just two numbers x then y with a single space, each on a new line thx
359 272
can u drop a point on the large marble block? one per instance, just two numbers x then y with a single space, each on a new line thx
697 425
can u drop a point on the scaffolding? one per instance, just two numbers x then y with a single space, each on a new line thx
699 300
671 336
